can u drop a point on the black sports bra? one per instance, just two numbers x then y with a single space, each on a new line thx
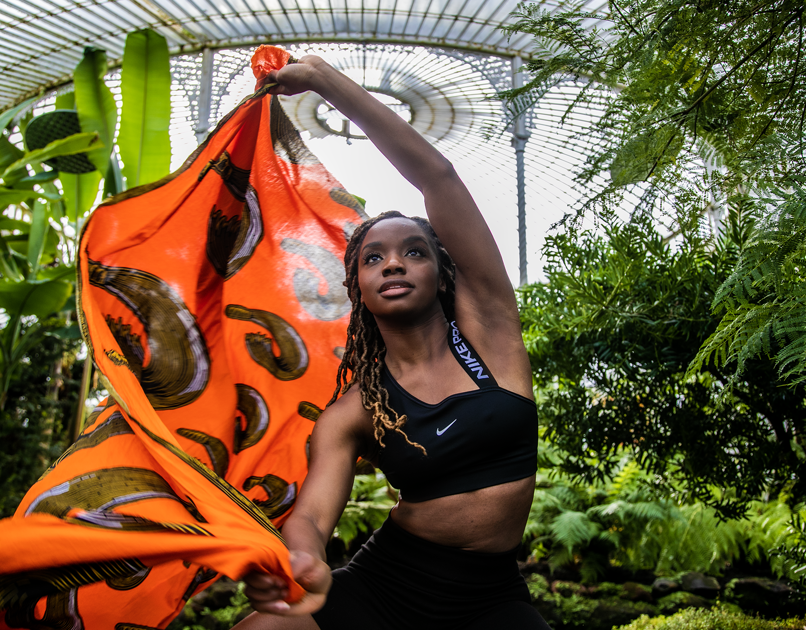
475 439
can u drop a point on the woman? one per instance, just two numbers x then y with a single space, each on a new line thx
440 399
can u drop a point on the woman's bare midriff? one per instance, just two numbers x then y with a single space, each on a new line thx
489 520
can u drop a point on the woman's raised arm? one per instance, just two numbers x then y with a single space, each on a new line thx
483 287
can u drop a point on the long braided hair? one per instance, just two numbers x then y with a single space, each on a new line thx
365 351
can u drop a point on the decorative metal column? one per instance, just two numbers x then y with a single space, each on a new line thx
519 137
205 94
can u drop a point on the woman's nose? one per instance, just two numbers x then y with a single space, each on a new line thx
393 264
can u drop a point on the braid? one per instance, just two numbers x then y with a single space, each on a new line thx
365 349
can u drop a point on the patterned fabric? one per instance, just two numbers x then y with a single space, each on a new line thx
212 304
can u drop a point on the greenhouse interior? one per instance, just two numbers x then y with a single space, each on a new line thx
617 206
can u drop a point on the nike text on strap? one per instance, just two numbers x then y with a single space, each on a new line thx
469 359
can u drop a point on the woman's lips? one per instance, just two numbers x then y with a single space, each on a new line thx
394 288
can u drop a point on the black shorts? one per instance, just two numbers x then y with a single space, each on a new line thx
398 581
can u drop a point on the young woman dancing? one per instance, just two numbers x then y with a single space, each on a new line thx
440 399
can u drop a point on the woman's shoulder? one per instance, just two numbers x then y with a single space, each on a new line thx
346 419
500 344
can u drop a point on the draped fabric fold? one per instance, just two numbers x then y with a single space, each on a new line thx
211 302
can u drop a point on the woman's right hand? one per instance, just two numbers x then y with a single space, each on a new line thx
267 592
297 77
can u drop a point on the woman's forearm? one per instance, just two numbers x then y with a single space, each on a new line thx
301 534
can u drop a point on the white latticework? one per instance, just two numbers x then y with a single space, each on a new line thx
452 96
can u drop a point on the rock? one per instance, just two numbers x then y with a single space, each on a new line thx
531 566
566 589
699 584
612 612
678 601
664 586
637 592
760 595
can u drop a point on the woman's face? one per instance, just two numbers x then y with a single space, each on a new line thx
398 270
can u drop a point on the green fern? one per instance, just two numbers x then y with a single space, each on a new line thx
764 299
625 523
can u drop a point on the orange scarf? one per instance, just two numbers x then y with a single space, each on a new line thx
212 304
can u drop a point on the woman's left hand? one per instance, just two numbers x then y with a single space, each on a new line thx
267 592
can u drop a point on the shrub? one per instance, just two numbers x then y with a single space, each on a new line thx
716 619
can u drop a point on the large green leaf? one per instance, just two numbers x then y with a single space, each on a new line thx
77 143
113 180
66 101
96 106
8 224
79 193
40 178
9 153
8 115
36 240
8 265
9 196
39 297
145 146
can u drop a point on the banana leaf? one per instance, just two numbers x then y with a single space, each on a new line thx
79 193
145 147
96 107
9 196
37 297
36 238
9 153
77 143
8 115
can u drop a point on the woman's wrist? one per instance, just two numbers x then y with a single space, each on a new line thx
325 79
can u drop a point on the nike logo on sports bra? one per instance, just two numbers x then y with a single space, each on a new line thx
441 431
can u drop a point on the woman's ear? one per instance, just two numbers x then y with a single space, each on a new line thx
443 286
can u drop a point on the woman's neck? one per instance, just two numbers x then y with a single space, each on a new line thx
411 345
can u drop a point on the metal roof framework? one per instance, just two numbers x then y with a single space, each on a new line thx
444 59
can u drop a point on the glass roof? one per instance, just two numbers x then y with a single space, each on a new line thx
42 40
443 60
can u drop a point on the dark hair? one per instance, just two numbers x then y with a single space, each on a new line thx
365 350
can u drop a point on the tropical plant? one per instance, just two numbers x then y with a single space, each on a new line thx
716 619
370 501
610 336
36 280
703 113
681 80
36 425
629 522
703 117
763 301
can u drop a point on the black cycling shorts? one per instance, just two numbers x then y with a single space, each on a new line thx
398 581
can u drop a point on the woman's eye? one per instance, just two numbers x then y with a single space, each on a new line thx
414 252
369 258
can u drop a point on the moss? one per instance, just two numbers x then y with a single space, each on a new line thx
567 589
680 600
605 589
538 585
576 610
717 619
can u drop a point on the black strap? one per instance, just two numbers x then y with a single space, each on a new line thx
469 359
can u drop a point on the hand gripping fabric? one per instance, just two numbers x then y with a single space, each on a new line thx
212 303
